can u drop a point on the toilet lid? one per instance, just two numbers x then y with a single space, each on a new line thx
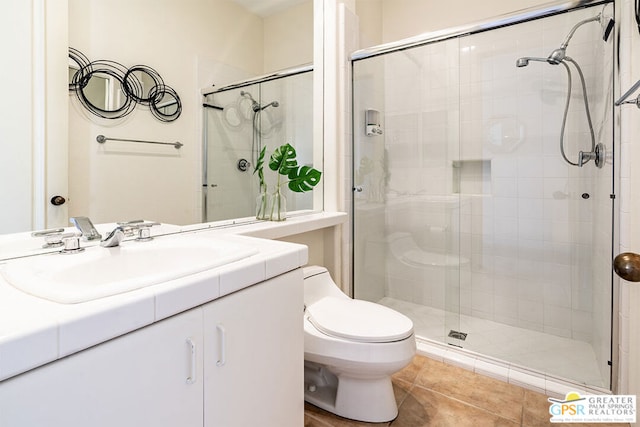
358 320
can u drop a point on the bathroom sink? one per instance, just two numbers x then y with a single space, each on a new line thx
99 272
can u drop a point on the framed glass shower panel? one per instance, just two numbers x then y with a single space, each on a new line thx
407 215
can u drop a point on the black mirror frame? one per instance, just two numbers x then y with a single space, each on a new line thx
130 85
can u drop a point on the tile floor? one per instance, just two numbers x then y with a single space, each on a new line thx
431 393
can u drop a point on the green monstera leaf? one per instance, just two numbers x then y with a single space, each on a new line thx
303 179
283 160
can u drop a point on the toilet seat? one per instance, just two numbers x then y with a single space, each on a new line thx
357 320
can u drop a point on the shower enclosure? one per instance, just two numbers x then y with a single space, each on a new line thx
239 120
466 216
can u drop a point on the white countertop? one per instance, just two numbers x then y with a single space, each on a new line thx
35 331
275 230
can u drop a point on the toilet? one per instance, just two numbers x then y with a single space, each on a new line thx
351 349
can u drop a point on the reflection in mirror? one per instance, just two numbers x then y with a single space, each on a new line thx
168 105
104 92
96 89
165 103
106 185
78 65
139 81
242 119
116 102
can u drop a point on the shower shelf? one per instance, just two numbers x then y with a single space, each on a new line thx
471 176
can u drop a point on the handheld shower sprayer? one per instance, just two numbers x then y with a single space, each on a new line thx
559 57
524 61
271 104
256 140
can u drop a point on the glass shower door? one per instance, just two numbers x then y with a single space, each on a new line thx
406 207
248 118
469 220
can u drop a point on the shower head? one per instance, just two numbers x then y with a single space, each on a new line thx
557 56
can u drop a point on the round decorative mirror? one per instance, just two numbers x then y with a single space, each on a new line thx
165 105
140 81
102 91
78 66
109 90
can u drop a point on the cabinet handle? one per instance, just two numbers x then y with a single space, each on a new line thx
192 369
221 345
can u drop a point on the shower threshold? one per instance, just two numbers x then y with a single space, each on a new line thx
537 352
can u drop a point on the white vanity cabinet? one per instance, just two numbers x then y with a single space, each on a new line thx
236 361
139 379
254 356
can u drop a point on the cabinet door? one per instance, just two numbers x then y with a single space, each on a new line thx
254 351
140 379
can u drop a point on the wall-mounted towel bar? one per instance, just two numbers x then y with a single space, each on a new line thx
102 139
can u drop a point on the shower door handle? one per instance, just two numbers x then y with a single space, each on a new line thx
358 189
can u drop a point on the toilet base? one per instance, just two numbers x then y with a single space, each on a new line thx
361 399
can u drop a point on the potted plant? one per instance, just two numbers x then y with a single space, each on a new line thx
299 179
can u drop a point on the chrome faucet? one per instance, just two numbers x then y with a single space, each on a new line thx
114 238
86 227
127 229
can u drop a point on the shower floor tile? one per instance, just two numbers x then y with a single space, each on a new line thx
564 357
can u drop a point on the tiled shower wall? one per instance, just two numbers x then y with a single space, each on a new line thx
473 168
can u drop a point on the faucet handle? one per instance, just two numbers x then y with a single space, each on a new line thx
71 242
48 232
52 237
144 231
130 223
57 238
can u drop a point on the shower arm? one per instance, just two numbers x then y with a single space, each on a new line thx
565 43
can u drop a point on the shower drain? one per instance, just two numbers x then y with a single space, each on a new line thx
457 335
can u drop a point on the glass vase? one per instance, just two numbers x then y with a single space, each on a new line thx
262 205
278 205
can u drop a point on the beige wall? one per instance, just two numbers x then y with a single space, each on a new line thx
192 44
384 21
288 38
